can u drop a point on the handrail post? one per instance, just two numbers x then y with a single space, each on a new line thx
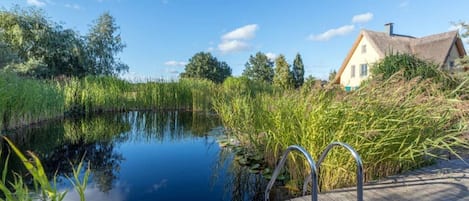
281 163
358 160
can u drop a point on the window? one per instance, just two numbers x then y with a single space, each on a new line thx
352 71
364 70
451 65
363 49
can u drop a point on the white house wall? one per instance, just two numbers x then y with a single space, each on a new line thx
358 58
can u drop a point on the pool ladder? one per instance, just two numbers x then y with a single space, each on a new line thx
313 176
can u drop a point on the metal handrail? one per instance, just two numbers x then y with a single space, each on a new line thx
359 167
281 163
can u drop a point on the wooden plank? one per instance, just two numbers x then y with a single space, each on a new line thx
445 181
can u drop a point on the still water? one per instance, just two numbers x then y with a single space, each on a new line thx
138 156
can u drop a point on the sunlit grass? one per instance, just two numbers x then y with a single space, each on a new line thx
24 101
395 125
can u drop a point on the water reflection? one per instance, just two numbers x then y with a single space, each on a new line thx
141 156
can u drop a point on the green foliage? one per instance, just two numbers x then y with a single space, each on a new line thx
332 75
411 67
24 101
96 94
33 45
205 66
259 68
18 190
464 62
243 86
283 77
41 182
395 126
104 43
298 71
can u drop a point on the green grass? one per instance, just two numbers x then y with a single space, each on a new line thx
24 101
18 190
395 125
96 94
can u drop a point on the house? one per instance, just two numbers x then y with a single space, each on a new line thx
371 46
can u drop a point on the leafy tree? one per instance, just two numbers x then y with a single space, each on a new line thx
104 43
464 62
7 55
32 45
283 76
24 36
204 65
332 75
259 68
298 71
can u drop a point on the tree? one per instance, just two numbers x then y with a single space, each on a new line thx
298 71
104 43
332 75
204 65
259 68
464 62
24 36
283 76
32 45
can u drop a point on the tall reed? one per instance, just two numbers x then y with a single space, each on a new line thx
95 94
395 126
24 101
18 190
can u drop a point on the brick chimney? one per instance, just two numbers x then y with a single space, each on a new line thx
389 28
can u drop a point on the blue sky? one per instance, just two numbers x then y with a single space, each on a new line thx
161 35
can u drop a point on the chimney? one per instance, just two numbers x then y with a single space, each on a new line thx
389 28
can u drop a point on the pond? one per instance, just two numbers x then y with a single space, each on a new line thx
138 156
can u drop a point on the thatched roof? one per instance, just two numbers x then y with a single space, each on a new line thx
434 48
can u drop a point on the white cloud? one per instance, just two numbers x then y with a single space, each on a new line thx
343 30
37 3
74 6
271 56
175 63
243 33
237 40
362 18
210 49
230 46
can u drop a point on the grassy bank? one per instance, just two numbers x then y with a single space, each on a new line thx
395 125
24 101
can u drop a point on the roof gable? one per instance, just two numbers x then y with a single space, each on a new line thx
435 48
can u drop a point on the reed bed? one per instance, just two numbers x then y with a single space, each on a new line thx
97 94
24 101
395 125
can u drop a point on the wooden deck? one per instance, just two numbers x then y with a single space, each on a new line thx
445 181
